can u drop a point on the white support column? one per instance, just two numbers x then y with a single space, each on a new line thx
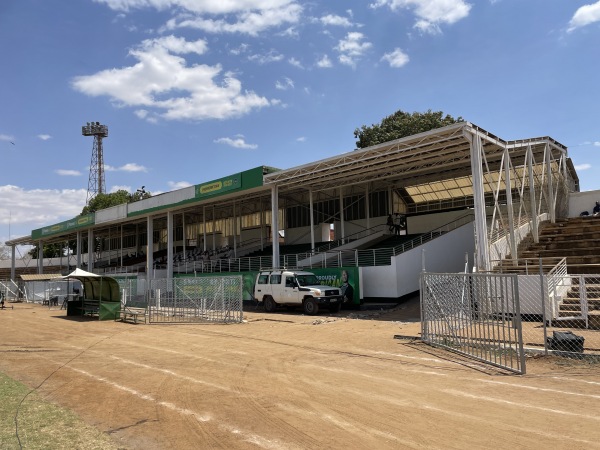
109 247
149 249
342 229
532 207
91 249
213 229
204 227
78 249
235 228
481 239
312 219
551 200
13 262
40 260
121 239
262 225
275 224
183 234
509 206
367 206
170 244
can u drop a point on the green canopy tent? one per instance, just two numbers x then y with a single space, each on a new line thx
101 290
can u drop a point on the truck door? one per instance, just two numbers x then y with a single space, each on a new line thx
290 290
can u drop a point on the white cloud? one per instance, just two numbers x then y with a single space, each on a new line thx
247 18
397 58
334 20
269 57
585 166
351 48
324 62
284 84
44 137
301 139
161 80
585 15
242 48
197 6
430 13
294 62
129 167
237 142
31 209
7 138
68 173
597 144
174 185
117 187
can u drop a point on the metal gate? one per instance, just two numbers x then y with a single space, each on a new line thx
477 315
193 300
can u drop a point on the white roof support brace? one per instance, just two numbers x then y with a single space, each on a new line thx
509 204
532 207
482 260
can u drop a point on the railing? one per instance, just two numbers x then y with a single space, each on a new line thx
530 266
321 258
351 237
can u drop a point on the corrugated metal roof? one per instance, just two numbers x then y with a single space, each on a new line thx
40 276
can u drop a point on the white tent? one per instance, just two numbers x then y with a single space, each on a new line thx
80 273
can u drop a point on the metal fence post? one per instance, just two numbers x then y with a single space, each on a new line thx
543 298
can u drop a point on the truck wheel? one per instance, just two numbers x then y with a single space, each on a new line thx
335 308
269 304
310 306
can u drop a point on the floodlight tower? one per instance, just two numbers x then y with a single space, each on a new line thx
96 184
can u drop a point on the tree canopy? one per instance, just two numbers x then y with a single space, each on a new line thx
402 124
103 201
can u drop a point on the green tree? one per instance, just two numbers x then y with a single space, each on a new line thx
5 252
103 201
50 250
402 124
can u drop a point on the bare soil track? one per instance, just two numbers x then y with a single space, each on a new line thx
289 381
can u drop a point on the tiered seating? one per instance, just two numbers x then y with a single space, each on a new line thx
576 239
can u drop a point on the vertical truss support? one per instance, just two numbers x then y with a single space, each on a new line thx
482 260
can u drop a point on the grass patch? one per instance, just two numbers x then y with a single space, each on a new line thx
42 424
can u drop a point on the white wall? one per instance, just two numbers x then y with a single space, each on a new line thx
445 254
427 222
582 201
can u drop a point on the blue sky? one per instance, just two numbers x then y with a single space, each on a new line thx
193 90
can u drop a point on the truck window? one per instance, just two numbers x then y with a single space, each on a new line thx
289 282
263 279
307 280
275 279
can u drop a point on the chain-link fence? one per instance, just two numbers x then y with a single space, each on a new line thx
474 314
203 299
561 313
492 316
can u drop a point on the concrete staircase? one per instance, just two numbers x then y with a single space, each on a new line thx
577 240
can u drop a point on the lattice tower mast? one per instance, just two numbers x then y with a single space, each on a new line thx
96 183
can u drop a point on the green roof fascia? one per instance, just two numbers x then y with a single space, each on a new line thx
241 181
66 226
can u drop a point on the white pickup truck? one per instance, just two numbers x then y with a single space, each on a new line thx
295 288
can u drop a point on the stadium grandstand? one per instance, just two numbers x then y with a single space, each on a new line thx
448 200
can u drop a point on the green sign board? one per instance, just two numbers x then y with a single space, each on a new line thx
345 278
68 225
220 186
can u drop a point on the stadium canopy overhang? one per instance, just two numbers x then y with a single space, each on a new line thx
457 161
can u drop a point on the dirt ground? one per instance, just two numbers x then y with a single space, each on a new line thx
289 381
